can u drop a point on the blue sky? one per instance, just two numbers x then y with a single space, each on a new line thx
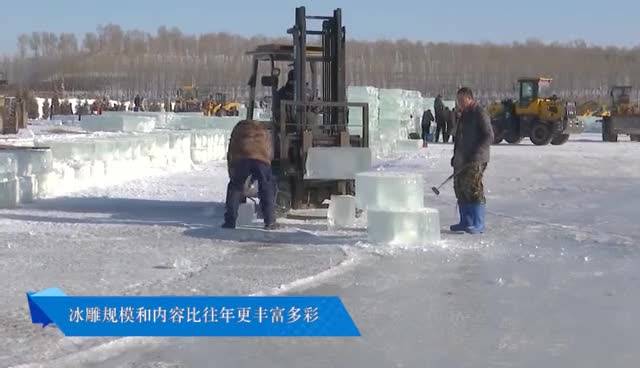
499 21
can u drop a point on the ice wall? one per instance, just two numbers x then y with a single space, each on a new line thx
79 163
65 165
140 142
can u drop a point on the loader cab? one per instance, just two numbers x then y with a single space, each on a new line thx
620 95
531 89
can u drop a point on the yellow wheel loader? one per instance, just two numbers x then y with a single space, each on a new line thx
187 99
623 116
535 115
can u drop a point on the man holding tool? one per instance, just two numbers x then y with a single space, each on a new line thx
473 140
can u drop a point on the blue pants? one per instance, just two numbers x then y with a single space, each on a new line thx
260 171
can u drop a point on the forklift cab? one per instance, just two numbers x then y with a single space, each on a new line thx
267 63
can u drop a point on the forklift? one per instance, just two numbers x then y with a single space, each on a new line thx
317 116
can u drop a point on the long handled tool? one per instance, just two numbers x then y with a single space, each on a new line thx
455 173
437 190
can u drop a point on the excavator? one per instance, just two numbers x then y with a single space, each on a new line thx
623 117
544 119
314 127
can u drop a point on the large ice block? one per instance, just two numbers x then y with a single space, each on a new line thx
246 214
9 193
32 160
8 166
27 188
408 145
386 190
342 211
337 163
404 228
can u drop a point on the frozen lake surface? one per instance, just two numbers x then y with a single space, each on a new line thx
554 282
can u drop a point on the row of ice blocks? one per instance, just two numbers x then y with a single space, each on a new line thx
118 122
21 170
127 121
80 163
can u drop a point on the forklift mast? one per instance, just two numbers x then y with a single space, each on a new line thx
333 73
317 56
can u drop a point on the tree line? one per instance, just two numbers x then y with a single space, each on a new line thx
121 63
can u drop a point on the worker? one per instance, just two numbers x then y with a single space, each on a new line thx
471 152
286 93
446 119
427 118
438 107
250 153
137 103
453 123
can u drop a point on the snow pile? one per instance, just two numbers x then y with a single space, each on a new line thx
396 217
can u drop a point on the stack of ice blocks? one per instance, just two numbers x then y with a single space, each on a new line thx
396 215
367 95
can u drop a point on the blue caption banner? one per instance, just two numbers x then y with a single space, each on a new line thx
191 315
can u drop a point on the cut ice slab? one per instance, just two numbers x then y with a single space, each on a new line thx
404 228
408 145
8 166
9 193
33 160
246 214
389 190
342 211
118 123
337 163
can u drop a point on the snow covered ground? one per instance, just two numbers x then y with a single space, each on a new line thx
553 282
